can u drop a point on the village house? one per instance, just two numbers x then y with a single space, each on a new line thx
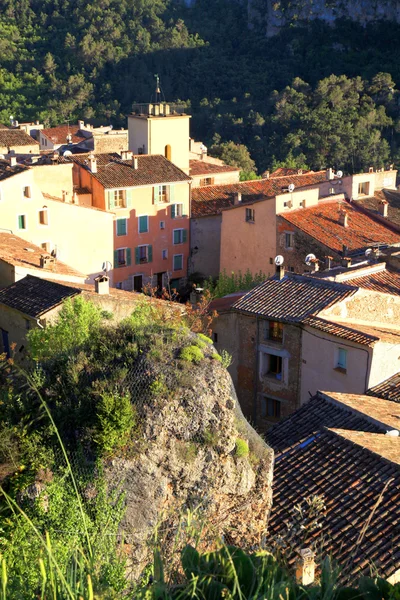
336 448
81 137
384 205
37 204
293 335
149 198
16 141
206 173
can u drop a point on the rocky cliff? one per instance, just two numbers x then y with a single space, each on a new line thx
198 452
275 15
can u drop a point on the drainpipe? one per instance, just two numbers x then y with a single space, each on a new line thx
257 361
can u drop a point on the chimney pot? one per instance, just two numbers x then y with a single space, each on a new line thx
305 567
329 261
237 198
383 208
280 271
102 285
371 169
135 162
92 163
343 218
81 124
329 174
13 161
266 175
346 262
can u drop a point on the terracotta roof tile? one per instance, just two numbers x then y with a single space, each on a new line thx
58 135
113 172
16 137
292 298
388 389
342 331
380 411
338 467
285 172
16 251
212 199
372 204
7 171
318 412
386 281
322 223
201 167
34 296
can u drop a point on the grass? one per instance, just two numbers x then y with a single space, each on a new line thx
241 448
191 354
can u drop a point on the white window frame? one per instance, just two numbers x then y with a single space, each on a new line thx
116 226
147 253
157 193
173 262
148 224
181 210
117 192
48 218
181 229
162 224
338 365
26 222
46 242
266 351
164 254
125 264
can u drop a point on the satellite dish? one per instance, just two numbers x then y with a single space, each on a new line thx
310 259
279 260
339 174
107 266
67 153
368 252
2 157
291 187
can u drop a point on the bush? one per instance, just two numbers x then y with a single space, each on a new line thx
241 448
116 419
217 356
205 338
226 359
191 354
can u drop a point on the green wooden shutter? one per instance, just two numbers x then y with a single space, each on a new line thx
171 193
111 201
128 257
115 259
149 253
128 198
184 236
173 211
176 236
121 226
143 224
137 255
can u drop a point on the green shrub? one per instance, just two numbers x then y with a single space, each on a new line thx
217 356
116 419
191 354
226 359
205 338
241 448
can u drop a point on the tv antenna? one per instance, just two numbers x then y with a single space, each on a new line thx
368 252
107 266
310 259
279 260
67 153
290 188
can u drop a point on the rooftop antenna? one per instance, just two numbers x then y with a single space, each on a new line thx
107 266
290 188
158 91
279 260
310 259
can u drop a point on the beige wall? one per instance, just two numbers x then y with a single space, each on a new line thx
156 132
11 273
205 242
54 179
83 236
385 362
295 200
246 245
28 149
348 185
17 325
218 178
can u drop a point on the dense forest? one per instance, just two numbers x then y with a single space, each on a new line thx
311 97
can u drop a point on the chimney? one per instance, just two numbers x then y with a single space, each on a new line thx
305 567
102 285
81 124
237 198
314 265
65 196
383 208
46 260
135 162
92 163
299 171
266 175
344 250
329 261
346 262
126 154
280 271
371 170
13 161
329 174
343 218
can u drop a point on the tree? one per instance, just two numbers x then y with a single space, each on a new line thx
236 155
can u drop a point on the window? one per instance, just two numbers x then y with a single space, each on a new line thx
302 204
176 211
119 198
332 190
21 221
122 226
43 216
122 257
161 194
179 236
26 190
167 152
270 408
272 366
215 337
341 360
271 261
273 331
165 254
143 254
289 240
162 224
287 204
363 188
143 224
250 214
45 246
178 262
207 181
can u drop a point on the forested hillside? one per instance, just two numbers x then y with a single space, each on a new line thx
313 96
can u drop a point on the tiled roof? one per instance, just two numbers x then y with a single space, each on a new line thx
321 222
356 530
113 172
292 298
320 411
386 281
212 199
201 167
384 445
380 411
16 251
82 191
7 171
285 172
388 389
341 330
58 135
372 204
16 137
226 302
34 296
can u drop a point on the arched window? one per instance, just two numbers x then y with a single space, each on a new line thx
168 152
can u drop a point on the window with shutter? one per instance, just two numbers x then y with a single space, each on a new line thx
21 221
149 253
178 262
143 224
184 235
111 202
122 226
178 236
128 257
